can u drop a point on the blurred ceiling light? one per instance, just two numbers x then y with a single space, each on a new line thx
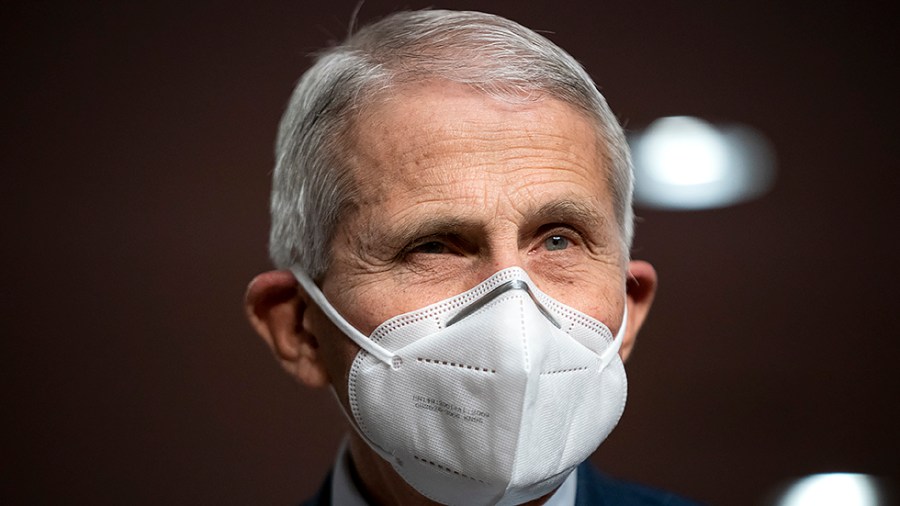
683 162
833 489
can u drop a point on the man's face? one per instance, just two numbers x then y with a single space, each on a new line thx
454 186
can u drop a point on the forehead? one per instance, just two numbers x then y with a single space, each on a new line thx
435 134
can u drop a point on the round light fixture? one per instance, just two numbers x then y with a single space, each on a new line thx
682 162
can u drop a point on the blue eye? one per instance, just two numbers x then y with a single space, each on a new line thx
556 243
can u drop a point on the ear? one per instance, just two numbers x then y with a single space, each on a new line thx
640 290
276 307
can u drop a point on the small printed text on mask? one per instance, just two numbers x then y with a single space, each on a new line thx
450 410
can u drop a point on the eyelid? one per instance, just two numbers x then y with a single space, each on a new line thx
419 245
420 242
445 240
568 231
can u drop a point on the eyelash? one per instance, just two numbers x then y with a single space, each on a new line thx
418 244
421 245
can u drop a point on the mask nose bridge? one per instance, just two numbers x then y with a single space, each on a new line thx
507 286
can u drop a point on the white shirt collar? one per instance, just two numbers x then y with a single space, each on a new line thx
345 493
343 490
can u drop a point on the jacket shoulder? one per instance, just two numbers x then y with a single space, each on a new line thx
598 489
323 495
594 489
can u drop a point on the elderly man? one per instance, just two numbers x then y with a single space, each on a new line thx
451 217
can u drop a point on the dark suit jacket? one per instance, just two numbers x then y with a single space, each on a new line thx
594 489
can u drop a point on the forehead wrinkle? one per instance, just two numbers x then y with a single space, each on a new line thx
482 134
417 147
520 146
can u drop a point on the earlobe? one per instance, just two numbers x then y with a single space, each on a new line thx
275 307
641 288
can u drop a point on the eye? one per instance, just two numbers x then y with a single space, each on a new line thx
430 247
556 243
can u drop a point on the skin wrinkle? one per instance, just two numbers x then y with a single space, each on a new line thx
526 153
379 253
424 182
444 189
489 131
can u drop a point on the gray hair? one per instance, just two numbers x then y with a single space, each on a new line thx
313 185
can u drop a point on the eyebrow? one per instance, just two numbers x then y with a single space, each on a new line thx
570 211
394 238
383 242
433 226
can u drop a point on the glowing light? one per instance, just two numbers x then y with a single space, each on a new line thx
684 151
833 489
686 163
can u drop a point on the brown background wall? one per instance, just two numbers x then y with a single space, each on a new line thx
136 152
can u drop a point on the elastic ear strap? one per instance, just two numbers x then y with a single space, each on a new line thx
350 331
613 349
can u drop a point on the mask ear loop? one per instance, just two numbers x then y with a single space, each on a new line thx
357 337
373 348
613 349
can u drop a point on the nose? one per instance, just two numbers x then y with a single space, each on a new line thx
502 252
512 284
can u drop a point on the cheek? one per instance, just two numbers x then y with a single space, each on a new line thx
606 307
609 312
599 296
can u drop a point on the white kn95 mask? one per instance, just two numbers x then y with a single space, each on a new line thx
493 396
